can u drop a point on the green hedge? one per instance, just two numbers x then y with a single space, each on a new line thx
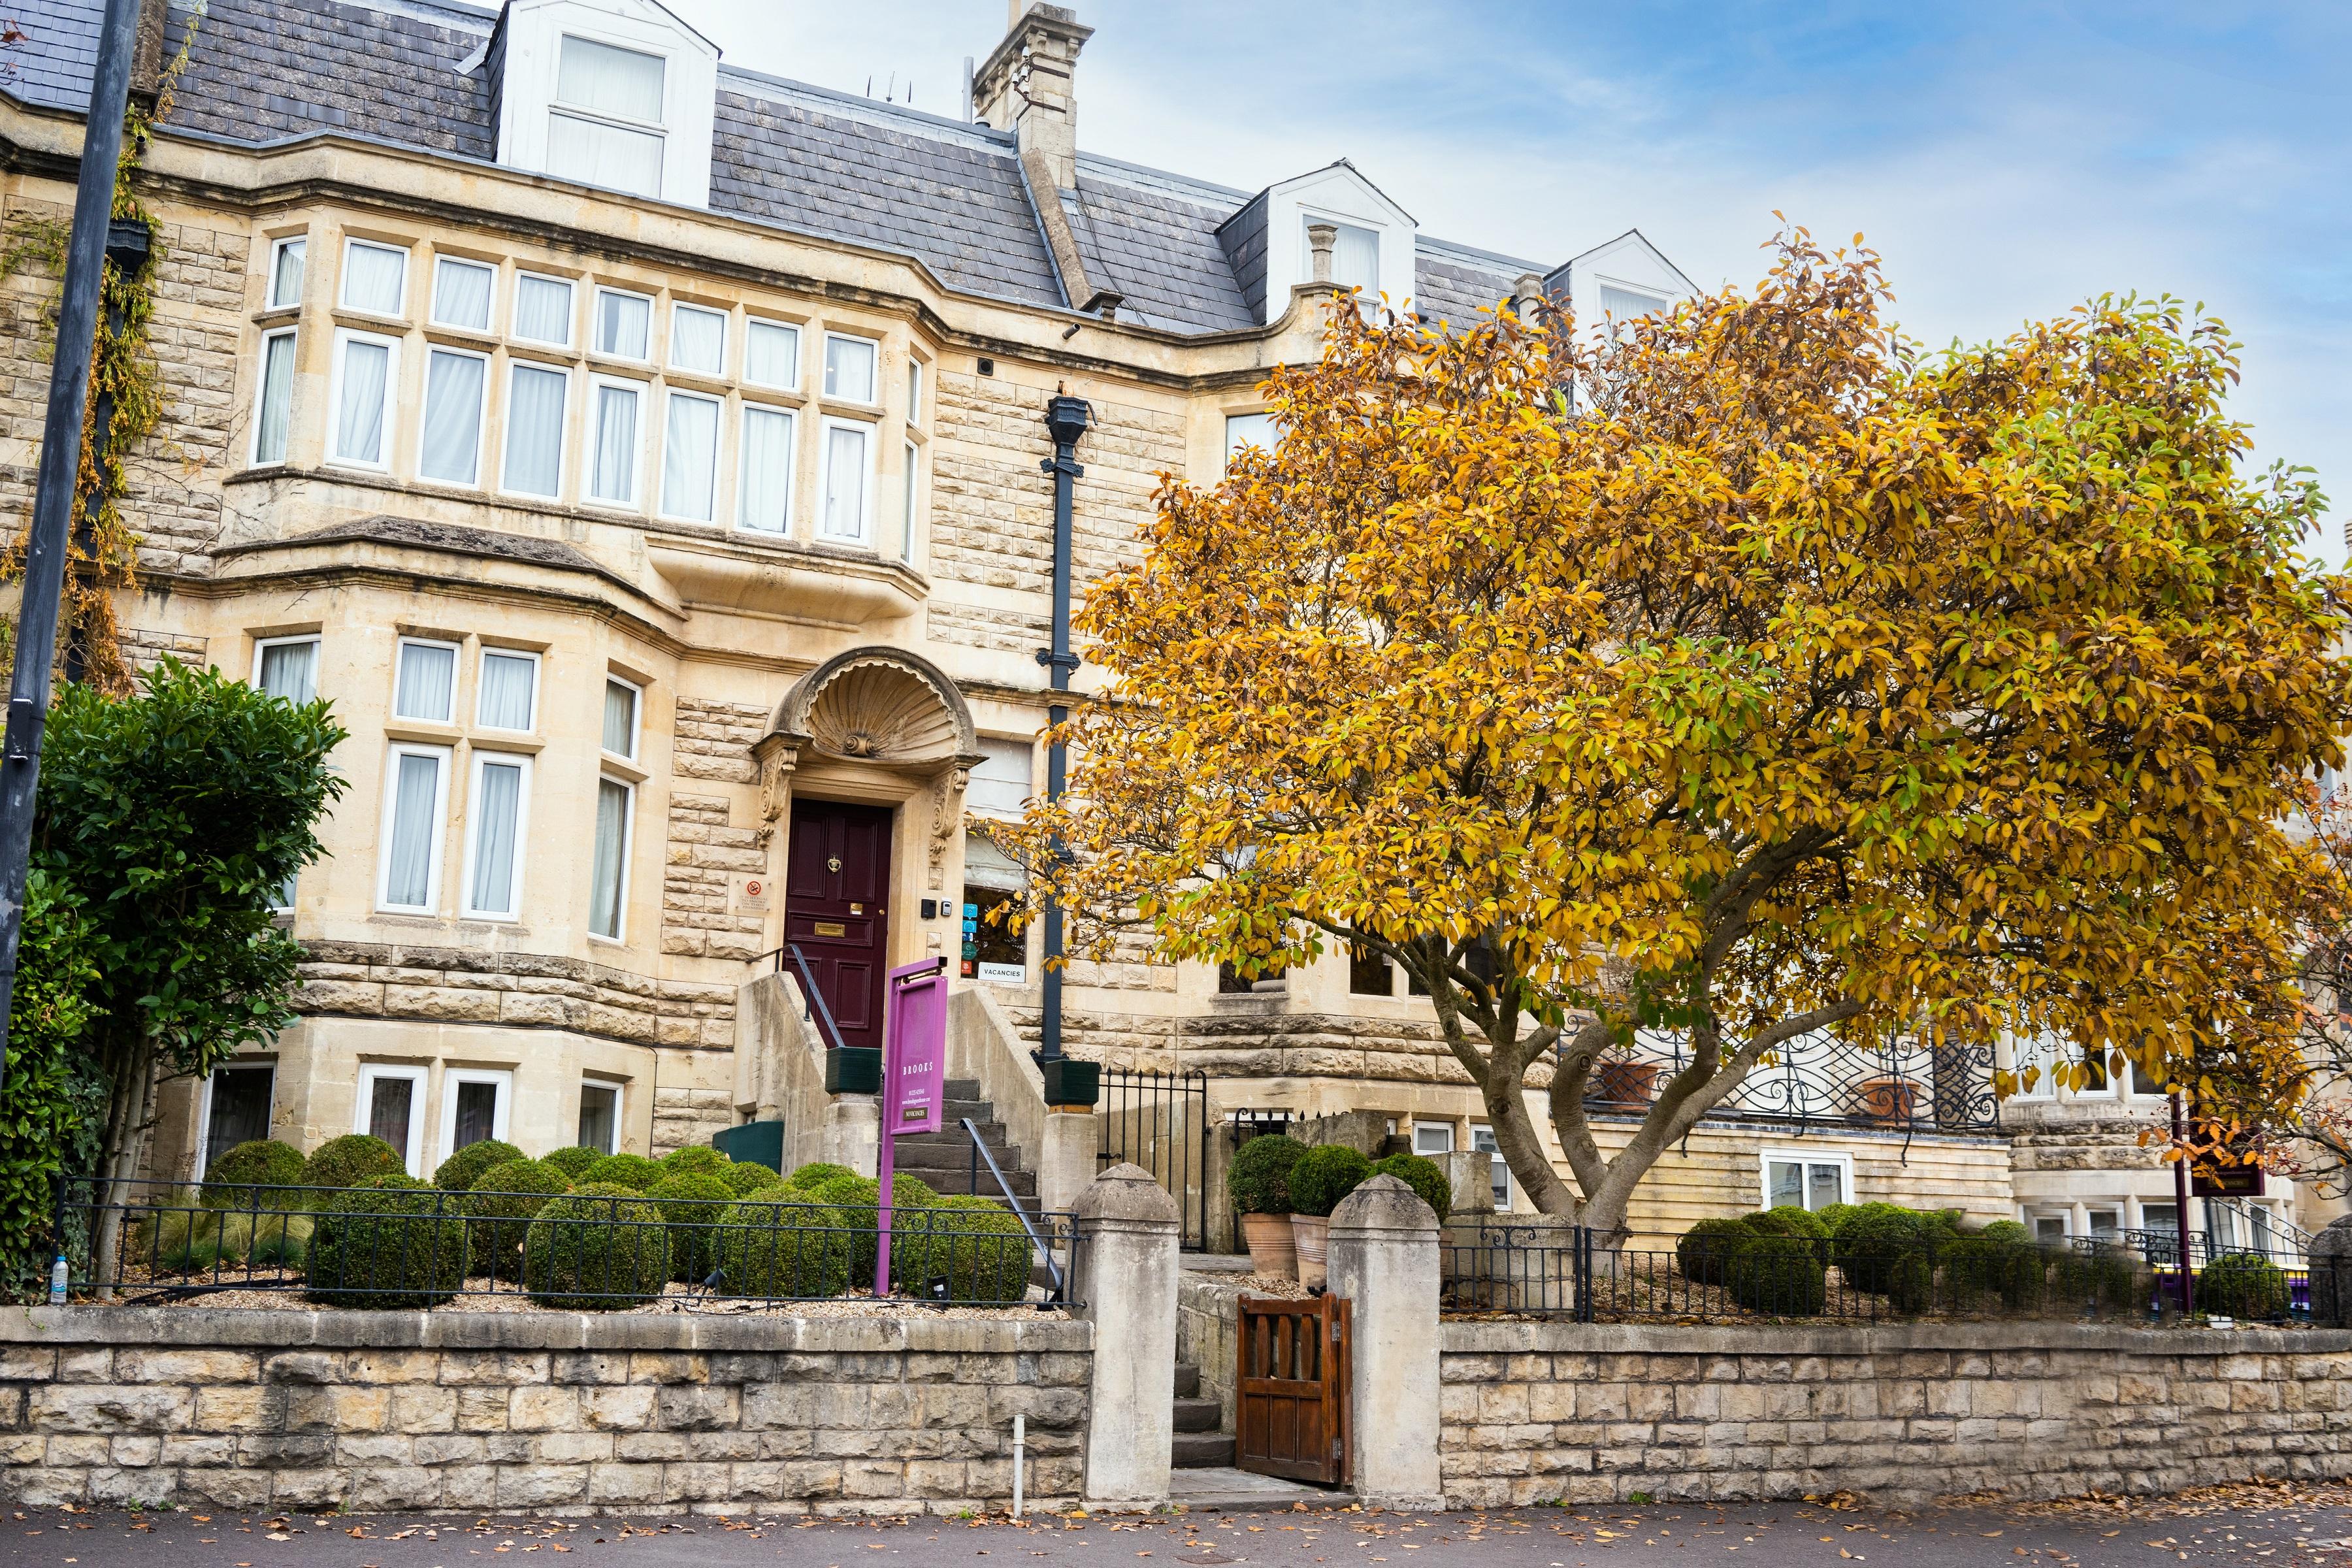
262 1162
596 1250
692 1201
1883 1249
857 1200
1259 1177
977 1244
1324 1175
351 1160
501 1205
2242 1285
634 1172
1704 1253
814 1174
389 1242
743 1176
789 1248
1423 1176
1782 1276
460 1171
575 1161
692 1158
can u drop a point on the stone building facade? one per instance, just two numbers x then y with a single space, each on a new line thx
643 455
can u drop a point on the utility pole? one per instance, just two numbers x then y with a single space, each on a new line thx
1067 1082
60 464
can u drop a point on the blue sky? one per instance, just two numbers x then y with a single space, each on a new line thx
2009 158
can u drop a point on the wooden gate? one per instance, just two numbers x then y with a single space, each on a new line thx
1293 1368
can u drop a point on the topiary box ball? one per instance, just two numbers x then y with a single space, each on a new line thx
458 1172
599 1247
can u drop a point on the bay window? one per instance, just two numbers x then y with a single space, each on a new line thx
461 293
847 480
697 339
285 261
624 324
849 368
391 1106
497 827
690 457
509 691
375 278
424 681
473 1107
416 803
621 701
542 310
609 863
612 441
771 355
274 406
764 492
365 366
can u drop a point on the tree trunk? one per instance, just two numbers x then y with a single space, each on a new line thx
129 1115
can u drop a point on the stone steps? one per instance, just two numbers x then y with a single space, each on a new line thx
1198 1445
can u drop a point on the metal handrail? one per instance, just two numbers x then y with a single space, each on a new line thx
1012 1203
828 1031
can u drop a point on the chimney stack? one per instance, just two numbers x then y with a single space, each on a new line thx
1026 86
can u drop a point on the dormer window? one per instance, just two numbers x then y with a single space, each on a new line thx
1624 305
1355 258
605 127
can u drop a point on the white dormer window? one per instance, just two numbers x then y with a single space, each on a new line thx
620 94
1355 258
1621 306
605 127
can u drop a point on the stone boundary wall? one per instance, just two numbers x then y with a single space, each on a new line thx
1543 1412
556 1413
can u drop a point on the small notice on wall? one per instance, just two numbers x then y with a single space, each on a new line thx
1004 974
751 895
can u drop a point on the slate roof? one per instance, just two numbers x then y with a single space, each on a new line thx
806 159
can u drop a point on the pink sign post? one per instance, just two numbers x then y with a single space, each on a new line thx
914 1074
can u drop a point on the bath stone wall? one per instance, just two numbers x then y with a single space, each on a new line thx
563 1411
1544 1412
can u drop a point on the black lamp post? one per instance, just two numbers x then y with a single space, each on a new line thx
60 466
1067 1082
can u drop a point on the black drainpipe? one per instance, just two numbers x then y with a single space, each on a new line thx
1067 1081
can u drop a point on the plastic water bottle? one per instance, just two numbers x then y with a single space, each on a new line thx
58 1276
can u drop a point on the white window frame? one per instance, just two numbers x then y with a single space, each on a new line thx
571 309
800 340
1369 300
825 425
592 440
399 311
272 300
489 652
206 1153
718 443
261 396
595 302
456 664
411 1157
345 338
1451 1131
637 720
680 308
502 1079
1788 1154
389 811
1496 1166
515 368
792 419
911 500
489 306
875 344
914 389
659 130
1234 446
481 416
620 937
480 758
620 1106
261 647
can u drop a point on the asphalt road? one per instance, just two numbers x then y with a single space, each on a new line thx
1764 1536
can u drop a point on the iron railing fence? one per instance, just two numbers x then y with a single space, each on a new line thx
1897 1083
420 1247
1159 1121
1548 1270
2232 1279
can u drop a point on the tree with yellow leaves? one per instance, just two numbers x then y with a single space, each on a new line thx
1749 675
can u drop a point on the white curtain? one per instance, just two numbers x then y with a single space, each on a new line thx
614 474
408 878
286 278
622 322
612 844
771 354
1248 430
373 277
544 309
507 680
689 457
767 483
849 370
698 339
845 481
359 426
620 719
604 80
427 673
612 156
497 807
461 293
1356 261
452 418
535 431
277 398
291 670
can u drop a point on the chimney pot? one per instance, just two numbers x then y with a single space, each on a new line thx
1320 239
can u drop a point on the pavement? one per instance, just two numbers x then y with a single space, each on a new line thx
2291 1533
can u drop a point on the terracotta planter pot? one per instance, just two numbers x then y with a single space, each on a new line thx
1311 1233
1890 1100
1271 1250
1624 1083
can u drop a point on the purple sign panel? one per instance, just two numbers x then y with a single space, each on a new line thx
914 1061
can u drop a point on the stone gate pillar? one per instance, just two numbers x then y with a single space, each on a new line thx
1384 1262
1127 1287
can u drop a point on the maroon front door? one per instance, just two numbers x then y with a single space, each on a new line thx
837 878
